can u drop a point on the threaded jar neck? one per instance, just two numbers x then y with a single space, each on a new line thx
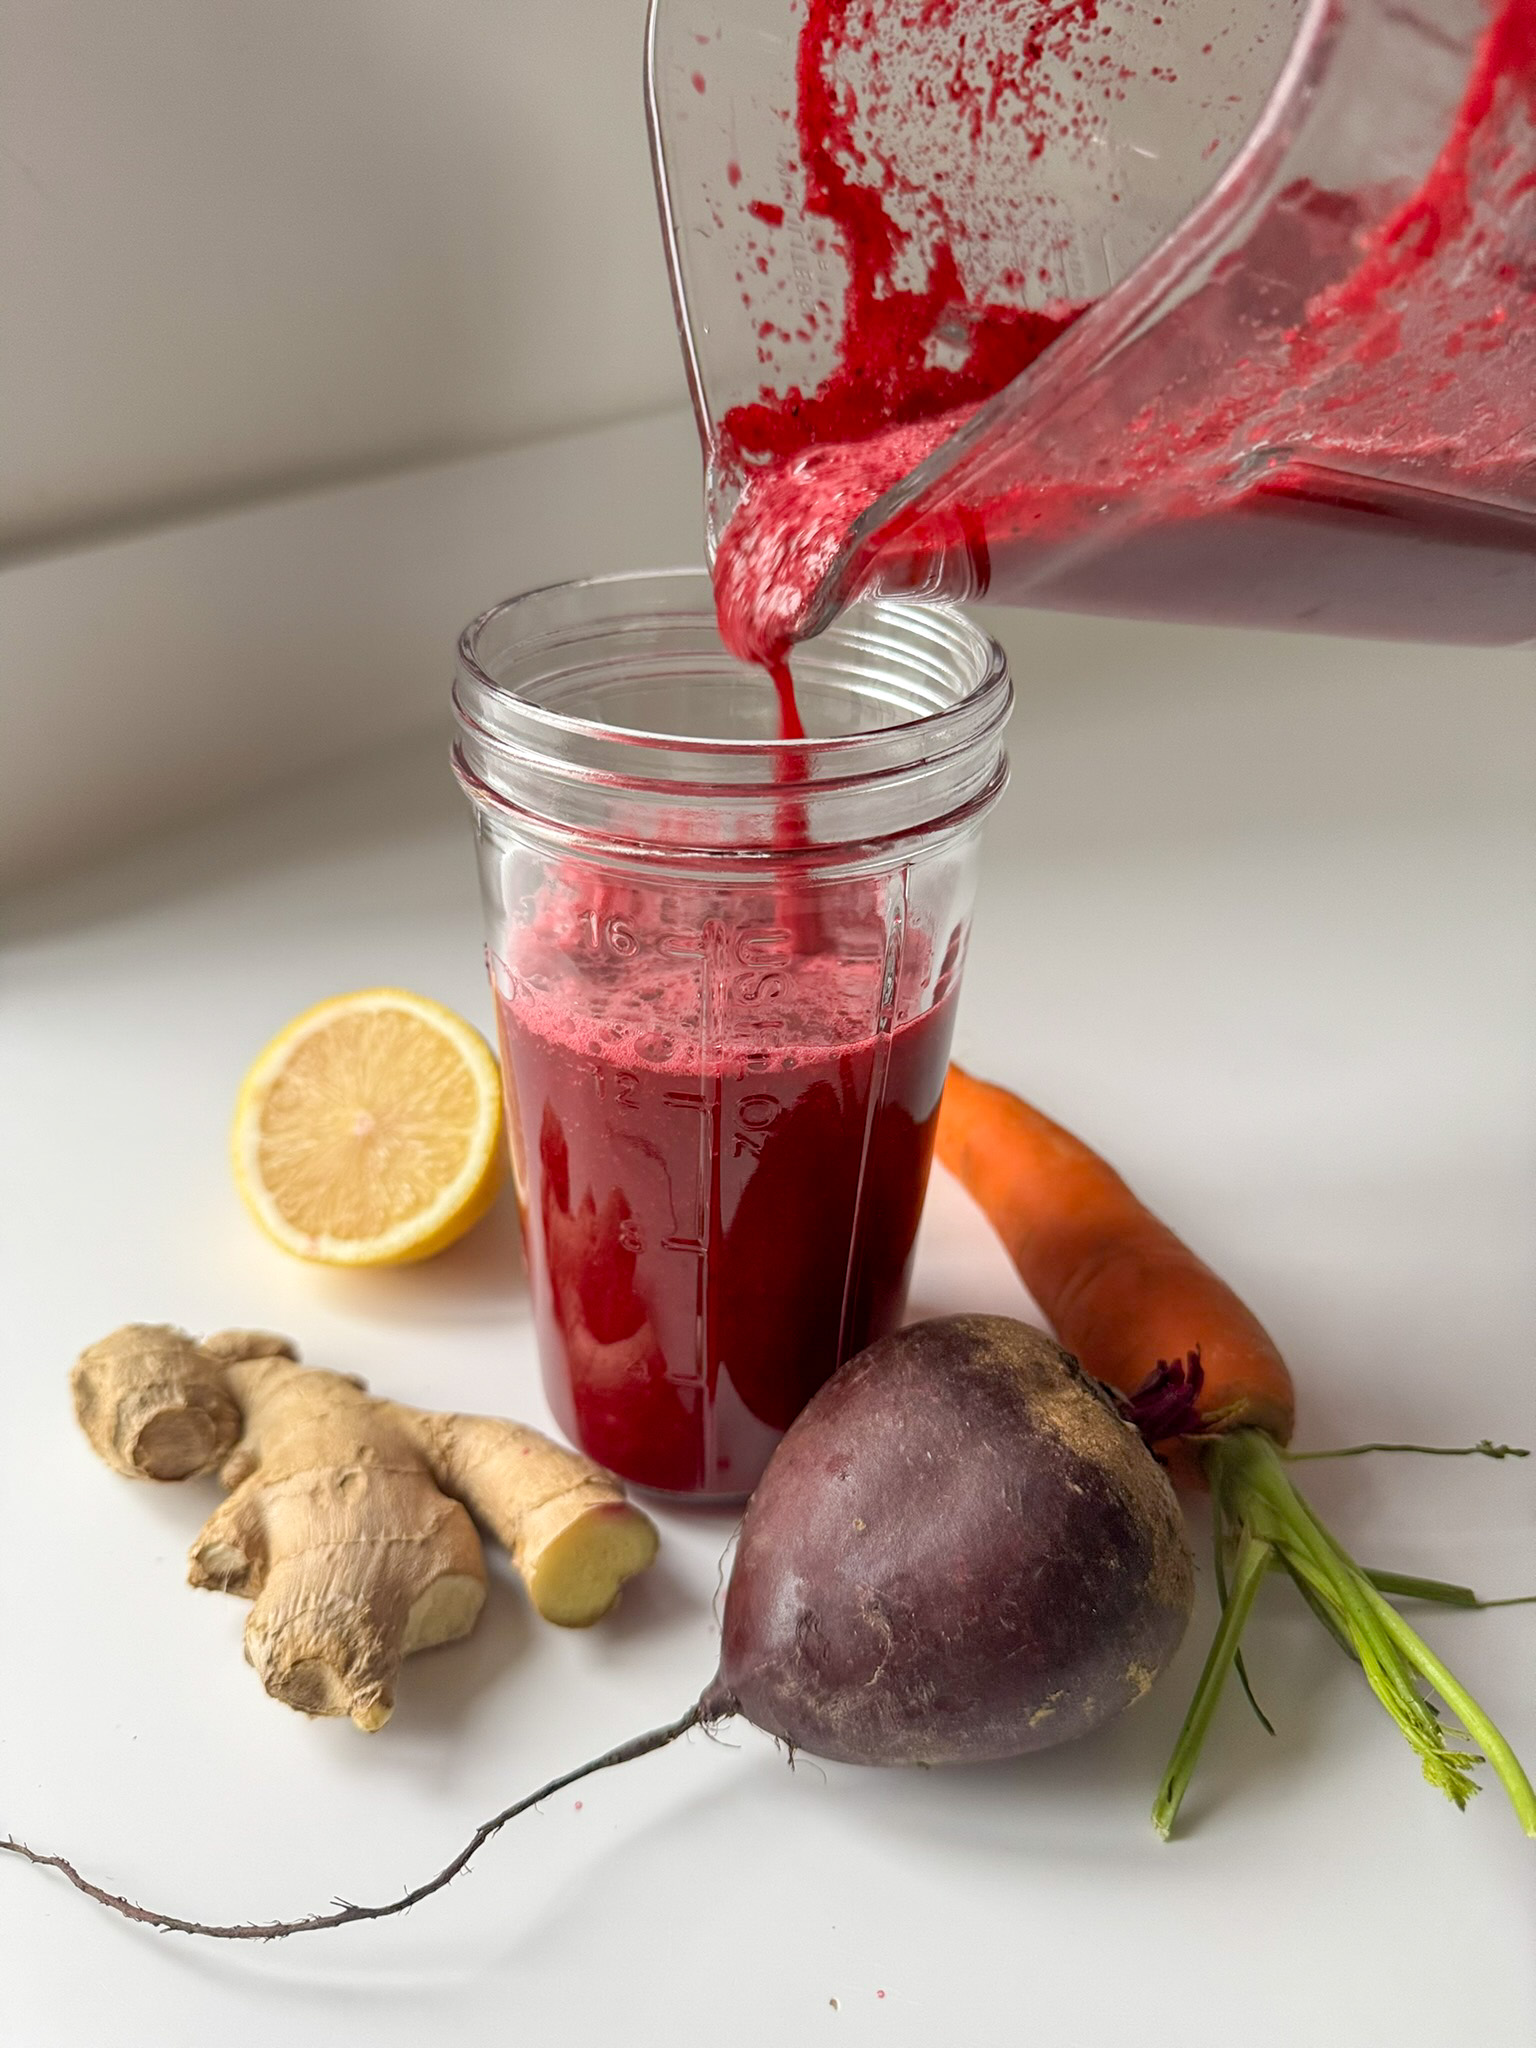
609 712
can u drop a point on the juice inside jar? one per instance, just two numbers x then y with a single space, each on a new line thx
722 1123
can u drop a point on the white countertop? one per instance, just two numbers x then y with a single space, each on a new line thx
1257 919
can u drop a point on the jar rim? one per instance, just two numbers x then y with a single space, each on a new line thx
992 683
645 643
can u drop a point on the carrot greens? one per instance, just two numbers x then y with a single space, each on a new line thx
1264 1524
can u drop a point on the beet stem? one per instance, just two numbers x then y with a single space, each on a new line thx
276 1930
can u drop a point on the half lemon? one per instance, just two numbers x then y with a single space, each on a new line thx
368 1133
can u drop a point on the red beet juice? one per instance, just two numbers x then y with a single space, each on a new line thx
721 1169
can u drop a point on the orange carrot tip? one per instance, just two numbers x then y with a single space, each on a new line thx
1202 1379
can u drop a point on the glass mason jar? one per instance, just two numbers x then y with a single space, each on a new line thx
725 967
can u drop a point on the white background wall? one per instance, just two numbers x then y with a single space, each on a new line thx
251 244
167 673
324 324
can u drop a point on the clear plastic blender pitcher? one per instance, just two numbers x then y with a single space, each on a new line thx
1290 246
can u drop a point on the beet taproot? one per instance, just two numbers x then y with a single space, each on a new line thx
959 1552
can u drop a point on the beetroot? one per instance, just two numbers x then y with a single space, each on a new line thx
960 1550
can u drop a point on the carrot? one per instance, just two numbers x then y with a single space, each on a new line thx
1149 1319
1119 1289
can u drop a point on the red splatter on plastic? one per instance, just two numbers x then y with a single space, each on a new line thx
888 403
764 210
884 374
699 83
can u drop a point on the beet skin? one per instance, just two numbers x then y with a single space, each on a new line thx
959 1551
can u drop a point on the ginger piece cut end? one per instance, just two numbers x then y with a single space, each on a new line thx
580 1573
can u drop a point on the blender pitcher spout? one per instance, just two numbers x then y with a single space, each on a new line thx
1226 311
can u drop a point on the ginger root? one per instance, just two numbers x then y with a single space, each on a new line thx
348 1523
